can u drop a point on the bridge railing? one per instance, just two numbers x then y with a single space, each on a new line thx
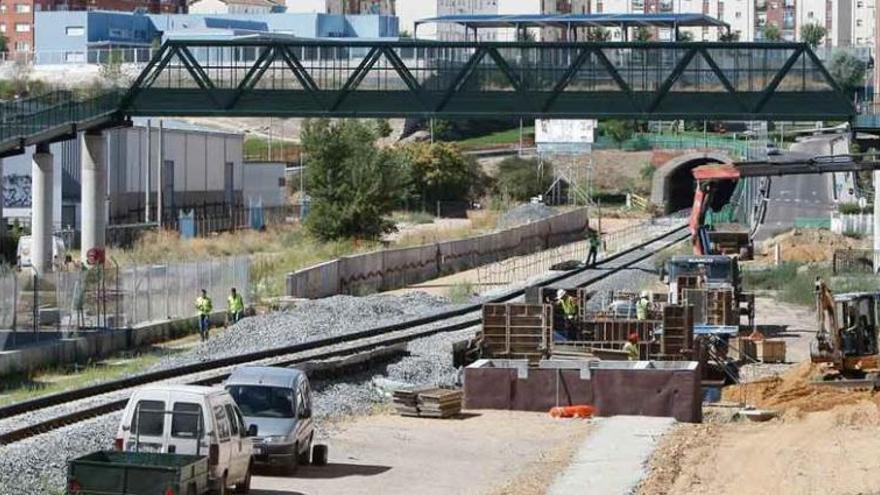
31 116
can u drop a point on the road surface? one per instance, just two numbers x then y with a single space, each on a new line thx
800 196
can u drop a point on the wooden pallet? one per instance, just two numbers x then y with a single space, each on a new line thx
428 403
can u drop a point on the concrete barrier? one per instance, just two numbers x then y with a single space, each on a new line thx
640 388
86 346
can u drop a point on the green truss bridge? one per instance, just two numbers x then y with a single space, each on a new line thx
259 76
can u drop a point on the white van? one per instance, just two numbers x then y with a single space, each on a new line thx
192 420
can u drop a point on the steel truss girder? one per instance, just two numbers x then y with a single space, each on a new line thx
452 96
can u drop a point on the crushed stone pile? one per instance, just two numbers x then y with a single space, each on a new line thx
793 392
523 214
309 320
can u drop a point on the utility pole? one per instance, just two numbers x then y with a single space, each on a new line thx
161 174
148 184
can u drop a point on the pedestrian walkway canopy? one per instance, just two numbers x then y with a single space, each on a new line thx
569 23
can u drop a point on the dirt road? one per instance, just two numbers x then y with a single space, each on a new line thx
489 452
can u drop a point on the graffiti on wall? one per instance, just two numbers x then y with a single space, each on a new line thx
16 191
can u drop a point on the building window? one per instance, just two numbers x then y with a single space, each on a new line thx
859 22
860 5
22 46
2 8
22 8
75 30
74 57
22 27
810 14
2 28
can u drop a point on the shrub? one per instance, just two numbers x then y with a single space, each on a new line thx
521 179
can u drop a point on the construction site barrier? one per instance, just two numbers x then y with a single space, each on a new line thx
395 268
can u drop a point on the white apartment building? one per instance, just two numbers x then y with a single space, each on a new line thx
849 22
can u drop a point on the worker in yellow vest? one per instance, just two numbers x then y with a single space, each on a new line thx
204 306
632 347
569 308
642 306
235 306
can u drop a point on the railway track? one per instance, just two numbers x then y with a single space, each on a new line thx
211 372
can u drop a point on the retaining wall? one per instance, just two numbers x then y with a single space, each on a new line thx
90 345
395 268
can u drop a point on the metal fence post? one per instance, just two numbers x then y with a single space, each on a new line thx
149 294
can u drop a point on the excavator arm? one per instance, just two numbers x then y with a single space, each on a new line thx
827 345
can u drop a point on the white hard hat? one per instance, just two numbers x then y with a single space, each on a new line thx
560 293
644 293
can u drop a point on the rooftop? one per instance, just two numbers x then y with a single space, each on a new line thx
576 20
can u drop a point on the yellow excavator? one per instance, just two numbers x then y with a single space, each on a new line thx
847 333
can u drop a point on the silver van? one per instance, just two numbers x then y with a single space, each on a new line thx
278 401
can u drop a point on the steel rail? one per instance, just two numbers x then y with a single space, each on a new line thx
352 338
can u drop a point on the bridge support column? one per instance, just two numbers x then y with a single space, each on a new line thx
42 208
2 218
94 192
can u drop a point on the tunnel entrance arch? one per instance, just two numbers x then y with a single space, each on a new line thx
673 184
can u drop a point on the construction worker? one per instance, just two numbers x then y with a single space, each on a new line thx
594 248
204 306
642 306
569 308
235 306
632 347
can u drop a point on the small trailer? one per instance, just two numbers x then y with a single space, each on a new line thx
137 473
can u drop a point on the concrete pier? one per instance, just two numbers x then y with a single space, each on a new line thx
42 191
94 191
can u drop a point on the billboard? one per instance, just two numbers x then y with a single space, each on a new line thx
559 131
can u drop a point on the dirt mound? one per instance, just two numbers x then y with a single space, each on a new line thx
809 245
792 393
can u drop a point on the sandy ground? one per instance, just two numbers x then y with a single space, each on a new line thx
823 442
487 452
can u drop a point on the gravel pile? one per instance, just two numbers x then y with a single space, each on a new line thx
37 466
523 214
310 320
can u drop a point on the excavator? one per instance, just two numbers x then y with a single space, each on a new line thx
847 337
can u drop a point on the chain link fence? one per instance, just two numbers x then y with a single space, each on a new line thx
63 303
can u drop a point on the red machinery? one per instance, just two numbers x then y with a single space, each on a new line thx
723 239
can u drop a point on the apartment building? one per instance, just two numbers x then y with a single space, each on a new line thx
17 16
363 7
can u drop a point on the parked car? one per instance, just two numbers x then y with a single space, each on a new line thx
191 420
278 401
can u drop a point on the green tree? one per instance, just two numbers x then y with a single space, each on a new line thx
848 70
812 34
440 172
729 37
353 185
643 34
598 34
619 131
521 179
772 33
